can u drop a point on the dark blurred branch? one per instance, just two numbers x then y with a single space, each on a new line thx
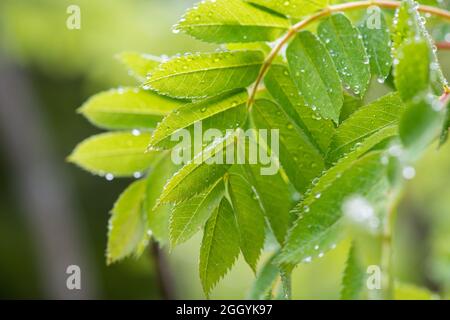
163 275
41 186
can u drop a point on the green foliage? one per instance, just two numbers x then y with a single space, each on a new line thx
223 21
118 154
249 217
126 227
333 145
139 64
127 109
315 75
220 247
378 45
346 48
412 68
292 8
354 275
205 74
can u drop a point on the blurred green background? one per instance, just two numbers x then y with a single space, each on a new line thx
53 215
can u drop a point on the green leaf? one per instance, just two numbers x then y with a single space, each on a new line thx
354 275
189 216
126 225
265 280
139 65
282 88
345 45
249 217
206 74
273 195
412 68
157 218
315 75
213 108
292 8
298 155
421 123
127 109
377 41
406 26
198 175
319 223
364 122
351 104
118 154
222 21
220 246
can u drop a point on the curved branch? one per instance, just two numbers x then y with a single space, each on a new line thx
323 13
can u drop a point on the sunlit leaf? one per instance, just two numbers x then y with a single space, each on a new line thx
292 8
223 21
206 74
119 154
126 225
127 108
139 64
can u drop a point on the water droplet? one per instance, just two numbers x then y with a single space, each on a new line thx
409 172
136 132
307 260
318 195
109 177
137 174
